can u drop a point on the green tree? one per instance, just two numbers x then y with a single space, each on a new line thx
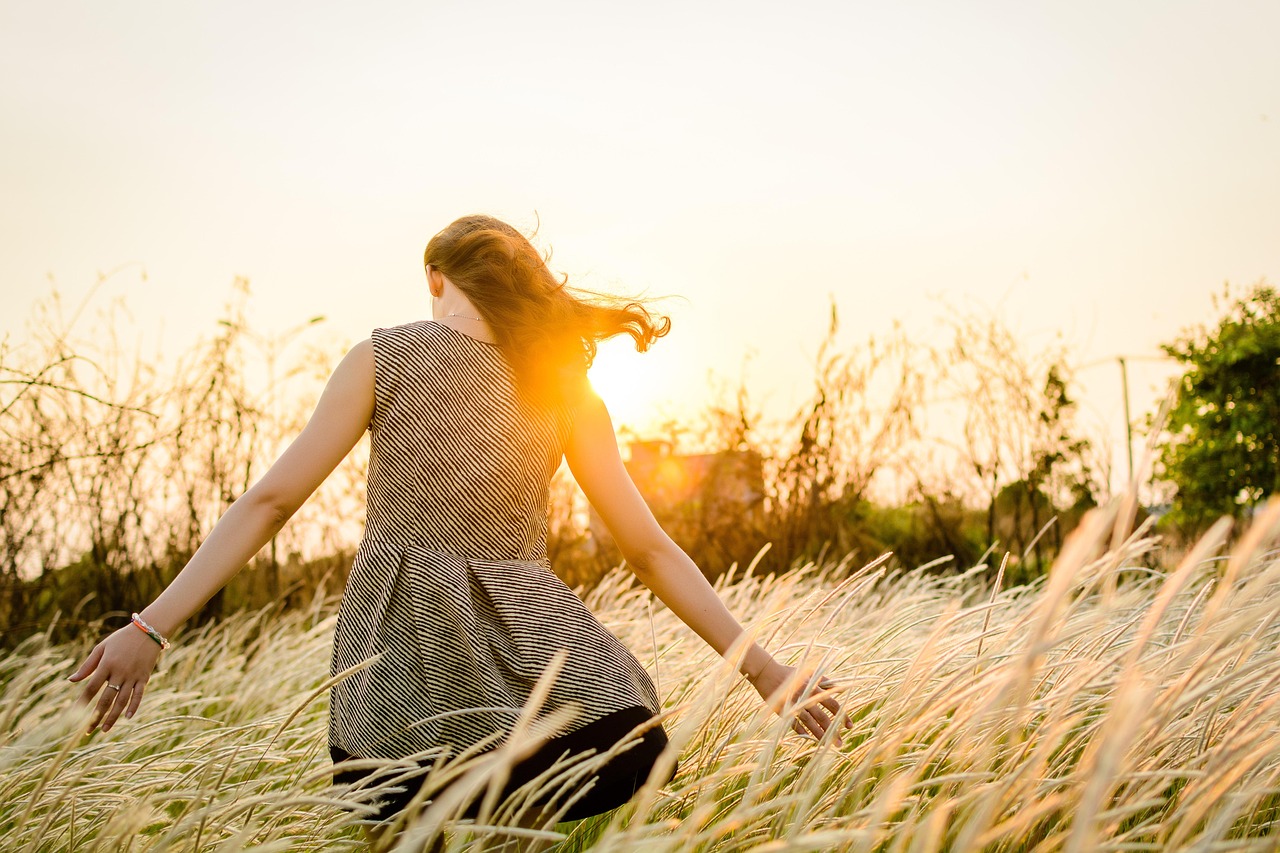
1223 449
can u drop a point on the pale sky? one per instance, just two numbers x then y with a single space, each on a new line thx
1091 168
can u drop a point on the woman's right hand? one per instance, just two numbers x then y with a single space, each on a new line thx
815 716
120 666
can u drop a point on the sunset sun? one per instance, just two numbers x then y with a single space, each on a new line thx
627 381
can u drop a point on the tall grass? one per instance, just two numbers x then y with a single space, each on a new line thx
1103 707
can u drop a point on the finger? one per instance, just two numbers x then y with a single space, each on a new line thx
91 687
135 700
821 725
89 665
812 723
117 706
104 704
831 704
837 718
814 698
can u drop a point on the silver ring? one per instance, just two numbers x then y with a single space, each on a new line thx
114 686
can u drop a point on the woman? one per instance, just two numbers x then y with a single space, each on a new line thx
469 414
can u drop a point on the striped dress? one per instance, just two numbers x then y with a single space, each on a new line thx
450 585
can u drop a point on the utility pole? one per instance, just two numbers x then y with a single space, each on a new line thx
1128 422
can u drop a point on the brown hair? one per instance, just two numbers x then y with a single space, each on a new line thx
547 331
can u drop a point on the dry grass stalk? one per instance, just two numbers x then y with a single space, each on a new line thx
1105 707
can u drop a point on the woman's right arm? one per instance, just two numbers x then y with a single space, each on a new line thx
660 564
122 663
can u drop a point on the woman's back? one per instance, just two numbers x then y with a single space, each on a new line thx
458 462
450 586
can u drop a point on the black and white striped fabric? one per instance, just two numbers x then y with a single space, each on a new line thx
451 586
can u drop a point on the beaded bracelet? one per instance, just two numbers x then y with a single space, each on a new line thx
151 632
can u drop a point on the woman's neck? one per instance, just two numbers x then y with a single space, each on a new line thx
456 311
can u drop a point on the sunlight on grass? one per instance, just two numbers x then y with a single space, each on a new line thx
1104 707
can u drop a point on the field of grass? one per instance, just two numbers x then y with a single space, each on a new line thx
1105 707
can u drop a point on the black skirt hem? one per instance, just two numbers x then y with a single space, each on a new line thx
615 782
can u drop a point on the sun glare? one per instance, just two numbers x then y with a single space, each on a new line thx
627 382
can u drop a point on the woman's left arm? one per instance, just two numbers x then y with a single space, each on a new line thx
124 660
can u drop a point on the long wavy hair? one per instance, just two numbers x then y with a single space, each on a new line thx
547 330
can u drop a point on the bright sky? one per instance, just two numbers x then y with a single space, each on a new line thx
1091 168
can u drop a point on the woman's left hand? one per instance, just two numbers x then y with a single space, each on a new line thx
120 666
815 715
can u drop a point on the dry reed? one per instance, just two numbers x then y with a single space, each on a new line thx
1105 707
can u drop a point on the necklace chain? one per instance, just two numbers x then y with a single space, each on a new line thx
465 317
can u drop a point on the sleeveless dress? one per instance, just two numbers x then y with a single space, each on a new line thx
451 585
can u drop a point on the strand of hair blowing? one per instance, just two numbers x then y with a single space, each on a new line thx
547 331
